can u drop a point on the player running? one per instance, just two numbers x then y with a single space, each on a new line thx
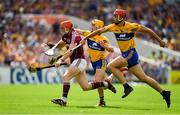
97 47
71 38
125 35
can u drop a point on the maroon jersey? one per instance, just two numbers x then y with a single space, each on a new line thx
74 37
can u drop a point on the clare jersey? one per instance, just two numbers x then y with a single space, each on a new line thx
96 51
125 35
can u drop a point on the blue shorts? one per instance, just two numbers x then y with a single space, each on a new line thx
100 64
134 60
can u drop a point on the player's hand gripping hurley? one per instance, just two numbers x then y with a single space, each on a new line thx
35 69
51 52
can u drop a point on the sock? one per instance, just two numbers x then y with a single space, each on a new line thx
101 99
66 87
126 85
97 85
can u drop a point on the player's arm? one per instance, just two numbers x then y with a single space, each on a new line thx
99 31
81 32
65 56
60 45
153 35
105 44
50 44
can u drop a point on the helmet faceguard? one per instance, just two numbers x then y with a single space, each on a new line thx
119 16
66 26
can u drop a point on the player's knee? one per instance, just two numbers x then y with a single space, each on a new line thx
86 87
65 78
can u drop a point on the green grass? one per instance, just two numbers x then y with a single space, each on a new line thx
35 99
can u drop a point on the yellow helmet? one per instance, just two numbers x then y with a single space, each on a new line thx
97 23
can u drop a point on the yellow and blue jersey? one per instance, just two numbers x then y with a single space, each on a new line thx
96 52
125 36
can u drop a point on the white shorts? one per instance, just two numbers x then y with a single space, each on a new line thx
80 63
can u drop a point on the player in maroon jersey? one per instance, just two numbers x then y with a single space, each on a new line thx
71 38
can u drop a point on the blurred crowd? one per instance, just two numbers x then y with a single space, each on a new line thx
161 59
20 40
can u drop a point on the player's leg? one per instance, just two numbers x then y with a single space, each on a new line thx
110 78
86 86
81 77
99 77
122 69
83 82
114 66
100 68
139 73
69 74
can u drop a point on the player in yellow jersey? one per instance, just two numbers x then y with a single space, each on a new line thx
97 47
125 35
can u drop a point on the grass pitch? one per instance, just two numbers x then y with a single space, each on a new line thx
35 99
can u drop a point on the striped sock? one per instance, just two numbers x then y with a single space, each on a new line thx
66 87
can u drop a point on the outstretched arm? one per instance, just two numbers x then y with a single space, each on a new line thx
81 32
99 31
60 45
153 35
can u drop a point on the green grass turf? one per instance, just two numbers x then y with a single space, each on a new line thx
35 99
